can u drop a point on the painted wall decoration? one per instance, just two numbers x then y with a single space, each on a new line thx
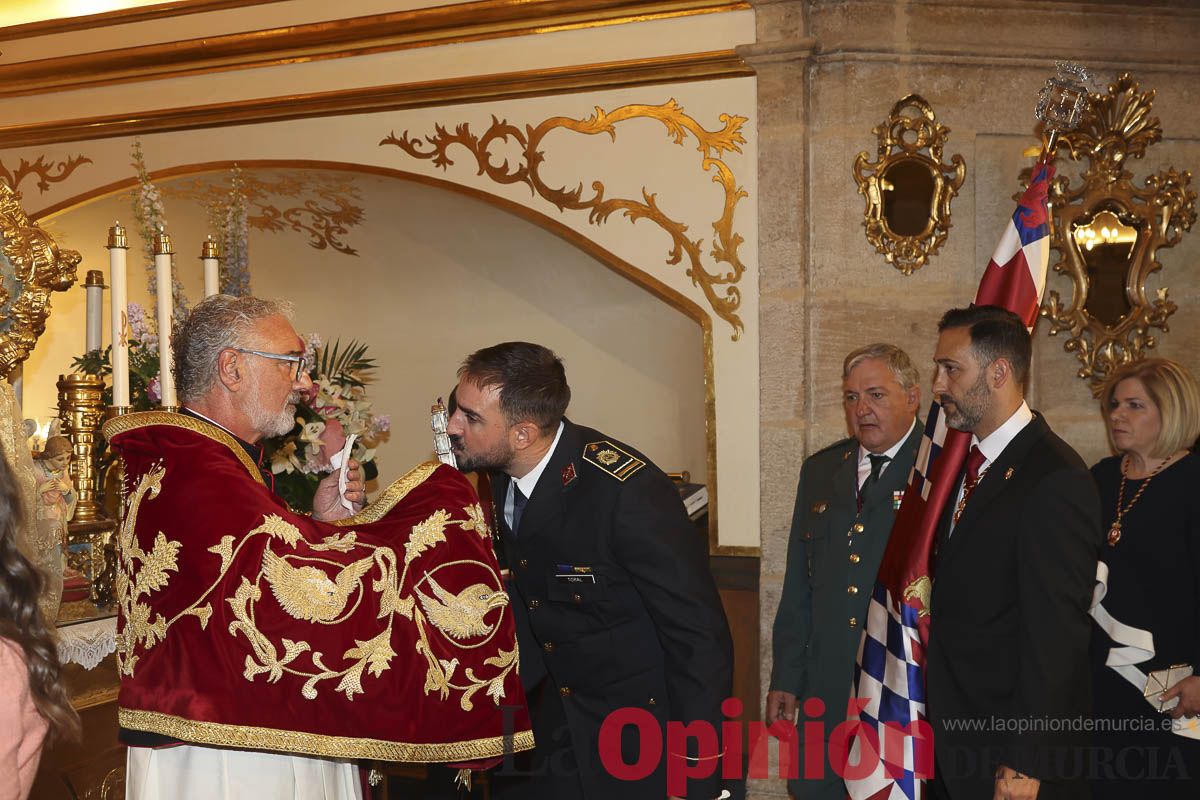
718 283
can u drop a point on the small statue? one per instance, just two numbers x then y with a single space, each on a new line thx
56 497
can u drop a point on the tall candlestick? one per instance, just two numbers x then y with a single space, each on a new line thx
94 286
209 253
118 248
162 271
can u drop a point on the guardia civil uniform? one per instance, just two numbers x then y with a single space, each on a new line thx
836 544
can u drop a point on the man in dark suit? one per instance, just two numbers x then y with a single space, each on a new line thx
845 504
1016 559
616 606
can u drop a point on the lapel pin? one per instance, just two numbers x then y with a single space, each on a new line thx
846 456
568 473
1008 473
819 508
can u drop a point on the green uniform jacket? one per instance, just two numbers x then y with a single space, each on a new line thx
833 559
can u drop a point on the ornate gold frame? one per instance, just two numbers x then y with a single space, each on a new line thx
35 267
1116 128
917 139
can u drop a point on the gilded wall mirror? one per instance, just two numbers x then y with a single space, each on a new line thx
31 267
1107 232
909 186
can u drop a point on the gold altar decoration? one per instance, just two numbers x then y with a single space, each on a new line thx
47 172
1107 232
33 267
719 287
81 409
908 188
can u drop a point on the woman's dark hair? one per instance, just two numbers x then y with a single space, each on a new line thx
21 620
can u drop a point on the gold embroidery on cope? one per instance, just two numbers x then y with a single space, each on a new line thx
306 587
249 737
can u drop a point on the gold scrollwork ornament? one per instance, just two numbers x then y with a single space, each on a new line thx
720 287
909 187
1107 233
32 267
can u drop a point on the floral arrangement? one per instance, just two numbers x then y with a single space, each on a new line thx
150 214
334 409
145 392
231 219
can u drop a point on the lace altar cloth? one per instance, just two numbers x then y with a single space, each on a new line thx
87 643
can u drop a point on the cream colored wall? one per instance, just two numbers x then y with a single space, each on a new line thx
438 275
642 156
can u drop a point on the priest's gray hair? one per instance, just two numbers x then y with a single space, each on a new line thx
896 359
218 323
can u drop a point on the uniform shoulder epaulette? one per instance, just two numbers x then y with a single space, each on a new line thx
837 446
612 459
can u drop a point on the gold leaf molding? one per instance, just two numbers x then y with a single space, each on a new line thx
719 287
315 41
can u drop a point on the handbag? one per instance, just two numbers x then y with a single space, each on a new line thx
1160 681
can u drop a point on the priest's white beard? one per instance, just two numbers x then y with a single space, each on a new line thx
267 422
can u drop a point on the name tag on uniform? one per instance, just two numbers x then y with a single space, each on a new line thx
569 573
571 577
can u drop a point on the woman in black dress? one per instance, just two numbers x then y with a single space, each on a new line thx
1150 495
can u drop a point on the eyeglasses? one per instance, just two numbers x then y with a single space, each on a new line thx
303 363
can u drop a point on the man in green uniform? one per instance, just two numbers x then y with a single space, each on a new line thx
845 504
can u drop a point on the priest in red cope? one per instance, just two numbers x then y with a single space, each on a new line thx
261 651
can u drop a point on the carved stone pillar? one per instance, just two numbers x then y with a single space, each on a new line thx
780 58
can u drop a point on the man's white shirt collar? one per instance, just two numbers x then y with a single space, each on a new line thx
993 445
527 483
864 461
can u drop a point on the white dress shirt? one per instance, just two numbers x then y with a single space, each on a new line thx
993 445
529 480
864 461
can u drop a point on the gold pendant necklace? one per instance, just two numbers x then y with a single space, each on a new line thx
1114 533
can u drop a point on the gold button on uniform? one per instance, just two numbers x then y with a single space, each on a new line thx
576 599
548 647
858 527
854 622
855 558
564 691
535 603
523 563
851 589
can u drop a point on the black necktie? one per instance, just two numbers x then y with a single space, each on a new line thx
877 462
519 501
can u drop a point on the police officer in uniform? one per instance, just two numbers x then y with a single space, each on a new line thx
845 504
615 604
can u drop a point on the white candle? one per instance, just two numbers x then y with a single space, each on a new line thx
209 253
94 286
119 314
162 272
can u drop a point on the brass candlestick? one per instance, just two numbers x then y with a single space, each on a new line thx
81 409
